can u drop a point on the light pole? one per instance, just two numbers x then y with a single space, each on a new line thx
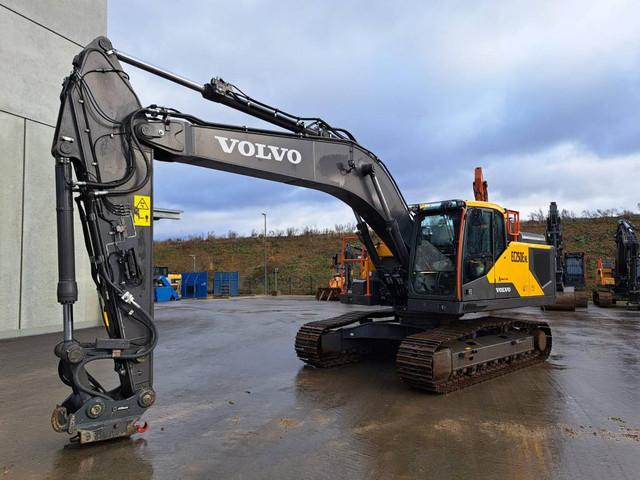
275 274
266 278
194 261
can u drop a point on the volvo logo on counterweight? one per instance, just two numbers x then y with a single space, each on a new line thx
259 150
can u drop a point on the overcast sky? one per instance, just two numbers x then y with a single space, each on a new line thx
544 95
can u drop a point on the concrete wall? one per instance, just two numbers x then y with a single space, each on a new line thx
38 40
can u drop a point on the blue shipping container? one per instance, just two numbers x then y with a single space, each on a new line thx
225 284
194 284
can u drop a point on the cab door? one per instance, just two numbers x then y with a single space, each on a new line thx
478 256
503 273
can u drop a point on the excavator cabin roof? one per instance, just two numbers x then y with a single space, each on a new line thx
451 204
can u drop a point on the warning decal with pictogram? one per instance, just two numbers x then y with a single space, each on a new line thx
142 210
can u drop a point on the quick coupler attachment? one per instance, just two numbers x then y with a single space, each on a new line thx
103 418
91 414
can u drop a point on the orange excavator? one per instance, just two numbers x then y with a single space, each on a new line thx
334 288
354 279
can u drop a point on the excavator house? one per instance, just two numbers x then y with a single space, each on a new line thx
448 259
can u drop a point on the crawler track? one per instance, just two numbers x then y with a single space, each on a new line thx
415 356
603 298
414 360
582 299
308 340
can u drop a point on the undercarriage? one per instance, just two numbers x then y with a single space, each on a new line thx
608 298
437 355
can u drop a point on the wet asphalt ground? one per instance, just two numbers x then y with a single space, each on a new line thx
235 402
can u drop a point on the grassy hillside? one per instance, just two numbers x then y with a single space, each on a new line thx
304 261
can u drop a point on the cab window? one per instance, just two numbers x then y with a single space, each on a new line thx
478 252
434 268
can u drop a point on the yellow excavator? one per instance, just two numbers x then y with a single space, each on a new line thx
448 258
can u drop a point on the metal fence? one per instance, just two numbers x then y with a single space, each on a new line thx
286 285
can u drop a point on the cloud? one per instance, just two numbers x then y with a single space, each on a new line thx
318 215
569 174
433 88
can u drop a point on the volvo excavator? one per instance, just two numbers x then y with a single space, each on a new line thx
448 258
619 281
569 267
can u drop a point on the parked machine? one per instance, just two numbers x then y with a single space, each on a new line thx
605 283
565 298
176 281
335 285
575 276
620 280
355 279
361 285
164 287
448 258
163 291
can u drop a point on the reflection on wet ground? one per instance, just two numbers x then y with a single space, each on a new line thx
235 402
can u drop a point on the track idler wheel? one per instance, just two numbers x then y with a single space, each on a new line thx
540 340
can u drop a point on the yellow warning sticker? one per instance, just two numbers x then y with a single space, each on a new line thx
142 210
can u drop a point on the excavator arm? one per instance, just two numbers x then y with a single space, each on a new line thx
628 263
104 145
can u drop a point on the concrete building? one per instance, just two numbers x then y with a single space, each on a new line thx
38 40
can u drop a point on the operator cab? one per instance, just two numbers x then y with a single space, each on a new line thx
457 245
